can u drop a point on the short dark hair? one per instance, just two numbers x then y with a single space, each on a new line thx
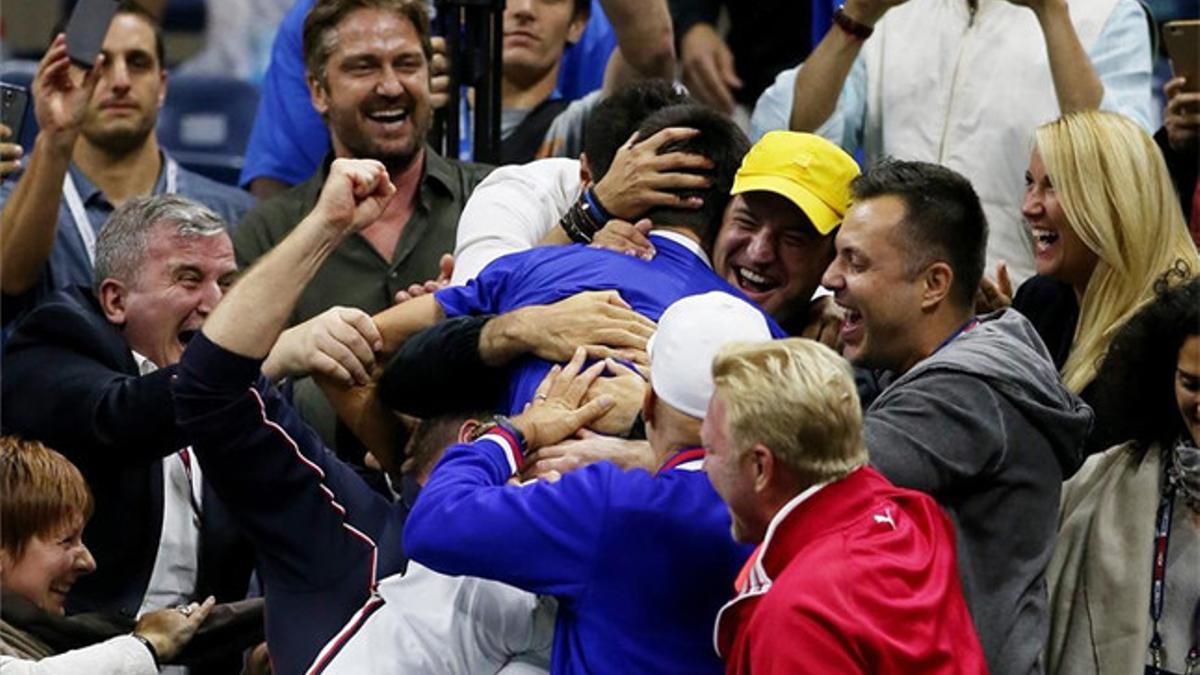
943 218
583 8
325 16
432 436
1133 394
129 7
722 142
614 119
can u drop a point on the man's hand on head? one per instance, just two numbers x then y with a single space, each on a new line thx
639 178
627 388
600 322
626 238
355 194
558 410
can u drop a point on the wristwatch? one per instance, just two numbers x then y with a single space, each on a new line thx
503 422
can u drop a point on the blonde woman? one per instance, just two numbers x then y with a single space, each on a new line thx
1106 226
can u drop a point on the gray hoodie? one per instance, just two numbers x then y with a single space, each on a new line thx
985 426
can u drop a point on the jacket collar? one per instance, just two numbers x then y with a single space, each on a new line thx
687 459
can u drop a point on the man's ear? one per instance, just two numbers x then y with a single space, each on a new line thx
766 469
585 169
162 87
575 29
112 296
938 279
317 94
649 401
469 428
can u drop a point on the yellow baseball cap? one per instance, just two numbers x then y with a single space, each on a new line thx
811 172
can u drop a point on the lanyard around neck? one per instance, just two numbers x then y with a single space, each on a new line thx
83 226
1158 582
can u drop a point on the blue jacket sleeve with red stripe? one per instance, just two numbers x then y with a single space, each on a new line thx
322 535
311 516
542 537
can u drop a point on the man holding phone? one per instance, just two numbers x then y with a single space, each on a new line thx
95 149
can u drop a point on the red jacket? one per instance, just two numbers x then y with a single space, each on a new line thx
858 577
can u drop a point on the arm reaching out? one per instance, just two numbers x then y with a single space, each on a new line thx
27 224
1076 83
255 311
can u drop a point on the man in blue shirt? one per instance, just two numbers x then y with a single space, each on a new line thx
681 266
639 563
95 149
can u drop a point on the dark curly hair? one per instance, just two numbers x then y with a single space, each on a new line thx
1135 395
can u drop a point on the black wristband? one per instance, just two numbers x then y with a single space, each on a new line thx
577 225
149 647
599 213
506 424
855 28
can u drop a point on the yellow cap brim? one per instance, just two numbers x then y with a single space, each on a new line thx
823 218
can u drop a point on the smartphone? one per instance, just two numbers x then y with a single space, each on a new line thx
86 30
14 100
1182 39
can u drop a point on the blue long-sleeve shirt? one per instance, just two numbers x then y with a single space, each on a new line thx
640 564
546 274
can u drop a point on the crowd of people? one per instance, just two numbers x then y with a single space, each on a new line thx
775 369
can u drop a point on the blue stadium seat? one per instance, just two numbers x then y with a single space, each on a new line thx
206 122
187 16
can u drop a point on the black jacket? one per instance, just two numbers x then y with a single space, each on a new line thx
70 381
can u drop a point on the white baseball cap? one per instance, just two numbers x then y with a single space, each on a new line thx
689 335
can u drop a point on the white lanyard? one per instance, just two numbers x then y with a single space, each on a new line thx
84 226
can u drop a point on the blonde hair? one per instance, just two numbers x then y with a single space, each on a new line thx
796 397
40 492
1114 188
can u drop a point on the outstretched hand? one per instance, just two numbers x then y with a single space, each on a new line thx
557 411
354 196
339 343
169 630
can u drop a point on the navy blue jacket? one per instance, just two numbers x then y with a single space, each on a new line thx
70 381
640 564
323 536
